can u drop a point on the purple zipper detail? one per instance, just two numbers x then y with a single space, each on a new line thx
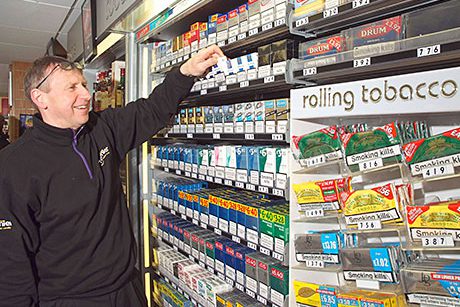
82 157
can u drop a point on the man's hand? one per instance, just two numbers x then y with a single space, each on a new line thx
198 65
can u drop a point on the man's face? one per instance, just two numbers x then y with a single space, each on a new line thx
67 99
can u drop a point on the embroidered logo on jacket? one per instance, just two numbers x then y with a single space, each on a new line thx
103 153
6 225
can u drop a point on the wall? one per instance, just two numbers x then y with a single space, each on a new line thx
21 105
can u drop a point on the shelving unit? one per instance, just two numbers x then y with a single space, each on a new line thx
365 75
228 90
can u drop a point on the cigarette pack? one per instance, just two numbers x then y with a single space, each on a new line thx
233 23
222 28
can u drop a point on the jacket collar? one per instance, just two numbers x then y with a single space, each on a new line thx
54 135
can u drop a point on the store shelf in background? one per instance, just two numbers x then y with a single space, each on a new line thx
259 89
351 14
171 278
186 291
264 137
180 17
241 44
232 183
160 203
434 51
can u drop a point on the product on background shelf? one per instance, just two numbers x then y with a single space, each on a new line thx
381 203
279 284
305 8
321 47
374 38
373 264
438 150
323 247
323 144
433 283
440 219
323 195
283 109
380 146
309 294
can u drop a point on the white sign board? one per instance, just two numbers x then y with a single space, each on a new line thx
425 92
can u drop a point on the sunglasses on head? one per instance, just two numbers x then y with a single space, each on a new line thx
63 66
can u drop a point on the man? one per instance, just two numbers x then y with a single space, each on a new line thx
65 234
3 137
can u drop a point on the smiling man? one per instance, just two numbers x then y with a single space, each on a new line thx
69 240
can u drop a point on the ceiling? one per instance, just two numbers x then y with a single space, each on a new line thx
26 26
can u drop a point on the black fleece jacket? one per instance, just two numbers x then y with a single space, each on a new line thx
64 224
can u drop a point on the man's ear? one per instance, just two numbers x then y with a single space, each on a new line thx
39 99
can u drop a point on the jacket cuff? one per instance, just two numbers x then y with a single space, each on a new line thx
180 79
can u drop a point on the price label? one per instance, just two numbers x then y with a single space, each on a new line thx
240 287
359 3
267 26
196 222
261 299
252 245
249 136
265 251
174 62
178 172
221 43
188 174
438 171
278 192
269 79
263 189
232 39
244 84
209 178
314 212
241 36
183 216
216 135
427 51
309 71
250 187
253 31
204 92
280 22
362 62
239 185
441 241
203 225
231 79
173 212
228 182
189 135
369 225
195 175
331 12
236 239
278 256
201 177
218 180
222 88
318 160
371 164
317 264
277 137
301 22
166 169
218 231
